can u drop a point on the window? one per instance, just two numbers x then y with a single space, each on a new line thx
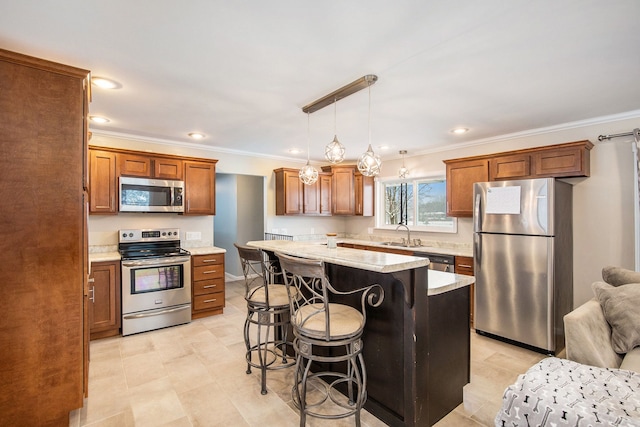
420 203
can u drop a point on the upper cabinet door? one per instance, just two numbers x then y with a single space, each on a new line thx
102 183
199 188
133 165
461 175
343 193
289 192
167 168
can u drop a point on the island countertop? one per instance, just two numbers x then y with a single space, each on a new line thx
380 262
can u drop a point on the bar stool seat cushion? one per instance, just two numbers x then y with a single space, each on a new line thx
277 296
344 321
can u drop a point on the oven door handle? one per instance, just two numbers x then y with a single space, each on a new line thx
157 312
156 261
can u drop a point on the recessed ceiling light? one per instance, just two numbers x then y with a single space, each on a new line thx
383 147
295 151
196 135
105 83
98 119
459 131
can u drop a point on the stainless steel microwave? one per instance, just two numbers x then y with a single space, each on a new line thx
151 195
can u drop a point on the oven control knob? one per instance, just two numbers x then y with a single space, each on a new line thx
164 233
130 234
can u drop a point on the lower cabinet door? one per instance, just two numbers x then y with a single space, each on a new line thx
105 315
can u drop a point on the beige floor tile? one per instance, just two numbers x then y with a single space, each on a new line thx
195 375
155 403
209 406
143 368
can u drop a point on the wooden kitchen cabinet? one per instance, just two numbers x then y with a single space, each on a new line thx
164 168
43 131
105 313
517 166
364 187
200 187
571 159
461 175
145 166
565 161
464 265
106 165
134 165
207 287
103 183
317 196
289 192
343 190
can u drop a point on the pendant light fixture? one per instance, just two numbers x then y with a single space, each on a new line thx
369 163
403 172
308 174
334 151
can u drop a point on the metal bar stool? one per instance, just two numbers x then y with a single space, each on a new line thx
329 336
267 323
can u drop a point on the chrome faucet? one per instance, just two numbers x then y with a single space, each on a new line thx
408 233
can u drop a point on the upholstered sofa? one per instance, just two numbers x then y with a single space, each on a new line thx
599 382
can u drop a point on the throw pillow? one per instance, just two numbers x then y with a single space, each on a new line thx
621 308
617 276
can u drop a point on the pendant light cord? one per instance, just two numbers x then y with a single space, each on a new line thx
308 136
369 120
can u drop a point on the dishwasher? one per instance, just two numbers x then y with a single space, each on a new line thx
438 261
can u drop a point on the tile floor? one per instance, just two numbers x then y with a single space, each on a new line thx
194 375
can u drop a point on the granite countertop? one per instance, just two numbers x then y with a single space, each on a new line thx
459 250
381 262
206 250
110 253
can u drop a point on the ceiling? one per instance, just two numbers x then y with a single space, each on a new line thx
240 72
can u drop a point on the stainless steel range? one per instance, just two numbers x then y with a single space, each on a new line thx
156 280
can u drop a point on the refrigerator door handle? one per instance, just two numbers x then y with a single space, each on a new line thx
476 213
477 251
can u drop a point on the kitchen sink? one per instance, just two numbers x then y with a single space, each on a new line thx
400 245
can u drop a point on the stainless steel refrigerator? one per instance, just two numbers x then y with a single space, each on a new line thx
523 256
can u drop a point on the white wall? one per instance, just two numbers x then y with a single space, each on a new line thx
602 203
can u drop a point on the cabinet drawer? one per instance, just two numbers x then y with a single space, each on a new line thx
208 301
200 260
464 265
201 287
205 272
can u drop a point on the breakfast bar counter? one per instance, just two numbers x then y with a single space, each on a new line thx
416 343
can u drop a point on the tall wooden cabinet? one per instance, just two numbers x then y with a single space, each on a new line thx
43 142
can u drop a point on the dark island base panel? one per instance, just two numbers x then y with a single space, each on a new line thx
411 383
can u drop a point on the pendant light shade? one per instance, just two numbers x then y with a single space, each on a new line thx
369 163
334 151
403 172
308 174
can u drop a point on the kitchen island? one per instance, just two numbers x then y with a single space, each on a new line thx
416 344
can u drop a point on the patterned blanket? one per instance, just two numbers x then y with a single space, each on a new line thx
558 392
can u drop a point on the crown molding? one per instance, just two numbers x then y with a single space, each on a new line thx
634 114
